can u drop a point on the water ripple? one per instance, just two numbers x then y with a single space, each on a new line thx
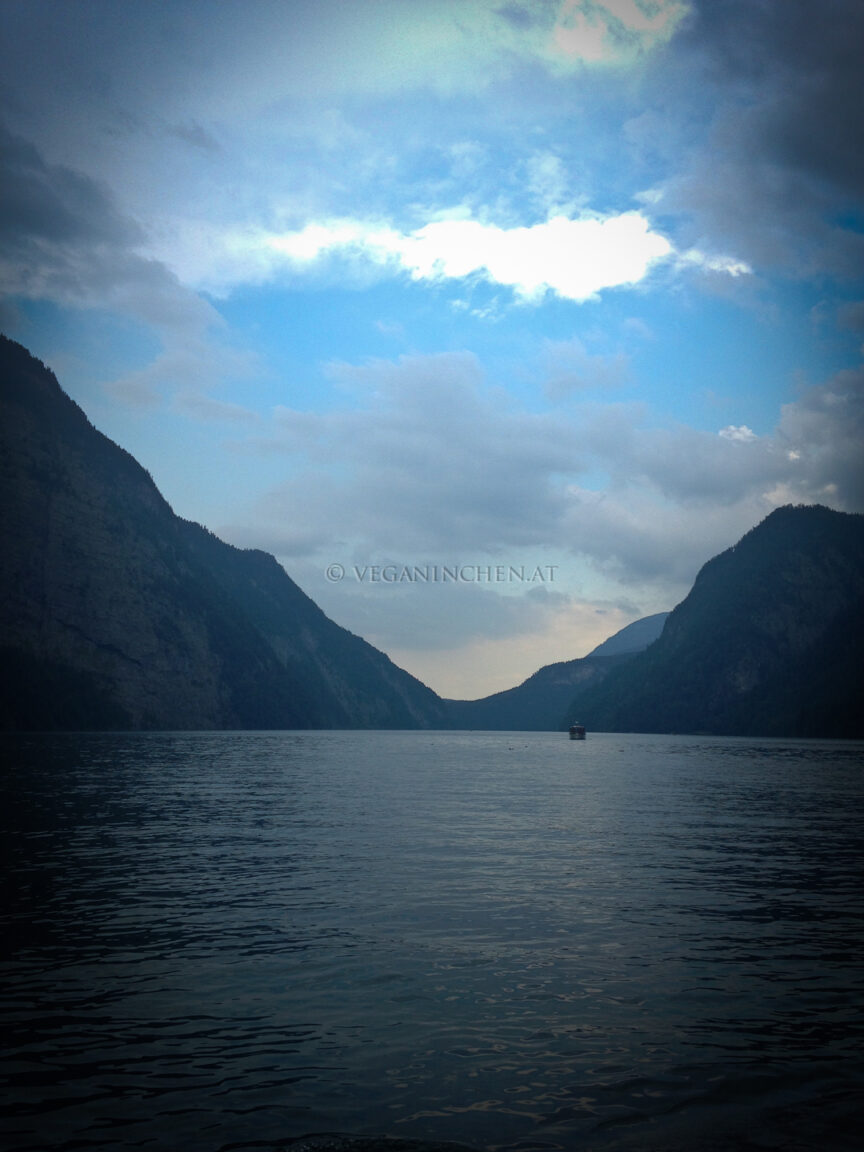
272 940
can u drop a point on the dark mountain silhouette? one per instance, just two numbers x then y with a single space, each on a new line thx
768 642
117 613
538 703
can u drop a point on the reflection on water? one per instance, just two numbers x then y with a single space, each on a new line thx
218 941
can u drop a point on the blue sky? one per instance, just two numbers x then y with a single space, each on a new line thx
576 284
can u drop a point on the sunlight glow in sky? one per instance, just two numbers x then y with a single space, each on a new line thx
572 283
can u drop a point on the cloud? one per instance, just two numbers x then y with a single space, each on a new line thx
749 121
548 182
778 172
431 453
569 367
677 496
614 31
195 136
425 451
253 56
803 78
575 259
704 262
202 407
190 365
822 434
248 149
53 205
647 545
741 433
63 239
438 616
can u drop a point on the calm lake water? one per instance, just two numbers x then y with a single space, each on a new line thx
233 940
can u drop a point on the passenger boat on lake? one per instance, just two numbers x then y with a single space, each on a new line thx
577 731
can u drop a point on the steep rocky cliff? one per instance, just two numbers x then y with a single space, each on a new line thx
768 642
117 613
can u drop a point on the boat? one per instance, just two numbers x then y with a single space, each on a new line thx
577 731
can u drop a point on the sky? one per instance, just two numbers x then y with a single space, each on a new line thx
493 320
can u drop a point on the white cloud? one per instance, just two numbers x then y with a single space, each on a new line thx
694 257
573 258
741 433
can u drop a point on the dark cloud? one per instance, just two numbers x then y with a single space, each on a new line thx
196 136
779 174
797 69
822 434
62 238
53 205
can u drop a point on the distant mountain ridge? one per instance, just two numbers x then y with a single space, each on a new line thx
538 703
116 613
633 638
769 642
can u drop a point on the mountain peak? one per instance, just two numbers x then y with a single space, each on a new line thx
768 642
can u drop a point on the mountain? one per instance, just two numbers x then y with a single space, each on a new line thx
768 642
538 703
116 613
634 638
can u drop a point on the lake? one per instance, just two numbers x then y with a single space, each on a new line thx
218 941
